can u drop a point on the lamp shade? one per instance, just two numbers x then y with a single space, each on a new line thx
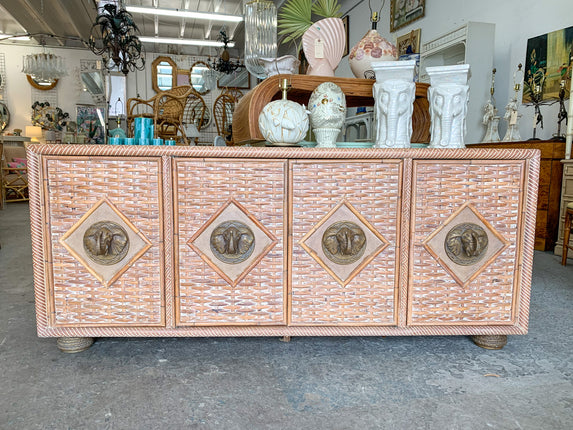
191 130
33 131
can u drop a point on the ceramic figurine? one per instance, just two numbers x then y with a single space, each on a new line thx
283 122
512 117
490 117
448 99
327 106
394 94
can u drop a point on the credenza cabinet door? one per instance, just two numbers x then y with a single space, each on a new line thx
346 219
466 242
104 241
230 227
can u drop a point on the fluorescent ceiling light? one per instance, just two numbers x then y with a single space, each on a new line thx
13 37
185 14
194 42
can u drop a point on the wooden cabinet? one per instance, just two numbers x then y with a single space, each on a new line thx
169 241
549 193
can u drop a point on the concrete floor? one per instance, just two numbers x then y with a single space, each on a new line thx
261 383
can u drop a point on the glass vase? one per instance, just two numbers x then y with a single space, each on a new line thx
260 34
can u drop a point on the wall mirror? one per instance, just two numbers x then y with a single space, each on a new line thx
196 77
4 116
42 84
163 74
93 82
238 80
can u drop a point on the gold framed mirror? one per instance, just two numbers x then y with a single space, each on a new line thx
43 85
163 74
196 77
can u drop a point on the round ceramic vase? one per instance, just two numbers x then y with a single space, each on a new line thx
283 122
372 47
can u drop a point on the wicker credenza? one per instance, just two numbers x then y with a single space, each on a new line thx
159 241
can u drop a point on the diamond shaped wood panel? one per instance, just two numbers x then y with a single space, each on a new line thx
210 294
441 191
134 295
373 190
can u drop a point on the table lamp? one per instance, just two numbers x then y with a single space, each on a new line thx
34 132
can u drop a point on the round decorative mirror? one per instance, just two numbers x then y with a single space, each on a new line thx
40 84
196 77
4 116
164 74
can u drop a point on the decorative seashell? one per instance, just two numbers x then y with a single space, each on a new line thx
372 47
331 32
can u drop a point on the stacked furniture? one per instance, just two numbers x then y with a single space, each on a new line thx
14 173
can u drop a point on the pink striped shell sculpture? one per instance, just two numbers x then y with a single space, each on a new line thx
323 45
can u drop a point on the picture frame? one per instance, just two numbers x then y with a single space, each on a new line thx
409 40
345 22
239 80
405 12
547 63
90 121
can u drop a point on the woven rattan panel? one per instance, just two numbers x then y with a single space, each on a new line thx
75 185
202 188
372 188
440 189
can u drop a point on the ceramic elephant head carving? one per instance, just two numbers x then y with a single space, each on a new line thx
394 107
448 109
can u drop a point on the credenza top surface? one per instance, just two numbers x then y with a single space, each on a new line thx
281 152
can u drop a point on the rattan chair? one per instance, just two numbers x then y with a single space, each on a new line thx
166 109
223 109
14 180
568 226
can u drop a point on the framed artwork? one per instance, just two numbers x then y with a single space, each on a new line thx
90 121
409 43
547 63
404 12
346 48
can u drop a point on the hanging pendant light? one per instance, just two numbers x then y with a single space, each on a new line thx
260 34
113 36
44 66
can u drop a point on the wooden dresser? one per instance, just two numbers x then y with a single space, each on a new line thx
550 178
179 241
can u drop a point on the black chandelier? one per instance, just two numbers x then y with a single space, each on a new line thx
223 63
113 36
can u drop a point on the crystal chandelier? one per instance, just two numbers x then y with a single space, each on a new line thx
113 36
44 66
260 34
223 63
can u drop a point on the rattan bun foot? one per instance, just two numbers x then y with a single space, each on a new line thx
72 345
285 339
490 341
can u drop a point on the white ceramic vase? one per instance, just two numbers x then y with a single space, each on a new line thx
372 47
287 64
327 106
394 94
323 45
448 97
